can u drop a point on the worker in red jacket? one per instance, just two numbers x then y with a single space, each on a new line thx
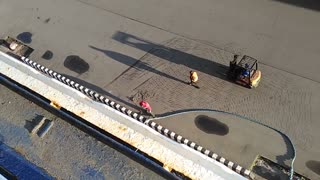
146 106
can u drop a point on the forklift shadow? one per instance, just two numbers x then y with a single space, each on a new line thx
174 56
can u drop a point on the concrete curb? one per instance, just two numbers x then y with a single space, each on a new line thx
162 130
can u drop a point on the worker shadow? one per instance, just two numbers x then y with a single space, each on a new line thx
134 63
102 92
179 57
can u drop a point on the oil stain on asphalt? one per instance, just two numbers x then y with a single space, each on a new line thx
25 37
47 55
76 64
211 125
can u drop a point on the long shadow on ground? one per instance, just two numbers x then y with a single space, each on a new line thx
102 91
134 63
206 66
314 166
199 64
308 4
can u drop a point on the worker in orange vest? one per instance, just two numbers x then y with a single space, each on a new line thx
193 78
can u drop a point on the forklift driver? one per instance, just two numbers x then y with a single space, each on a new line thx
246 72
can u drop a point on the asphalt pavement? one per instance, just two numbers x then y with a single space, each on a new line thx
126 50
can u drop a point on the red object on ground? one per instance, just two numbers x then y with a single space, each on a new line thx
145 105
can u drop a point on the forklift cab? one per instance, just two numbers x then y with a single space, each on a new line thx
245 72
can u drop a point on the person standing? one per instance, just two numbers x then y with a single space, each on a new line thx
146 106
194 78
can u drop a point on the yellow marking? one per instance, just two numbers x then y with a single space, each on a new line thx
166 167
55 105
256 80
